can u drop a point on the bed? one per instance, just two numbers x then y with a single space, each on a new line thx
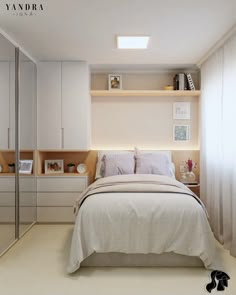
140 220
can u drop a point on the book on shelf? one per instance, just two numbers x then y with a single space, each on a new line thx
190 82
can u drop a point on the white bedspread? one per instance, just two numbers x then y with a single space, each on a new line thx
140 214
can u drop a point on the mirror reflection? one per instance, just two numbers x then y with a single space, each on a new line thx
7 143
27 95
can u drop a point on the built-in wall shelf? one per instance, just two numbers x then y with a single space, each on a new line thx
174 93
67 174
8 156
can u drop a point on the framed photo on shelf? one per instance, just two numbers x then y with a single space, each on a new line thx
114 82
54 166
26 166
181 111
181 133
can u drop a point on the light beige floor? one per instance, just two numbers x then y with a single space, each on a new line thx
36 266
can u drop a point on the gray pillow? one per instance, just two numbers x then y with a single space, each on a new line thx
153 163
118 164
100 163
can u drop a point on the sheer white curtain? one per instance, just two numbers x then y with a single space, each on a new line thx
218 142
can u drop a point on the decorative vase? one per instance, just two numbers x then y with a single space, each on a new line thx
190 177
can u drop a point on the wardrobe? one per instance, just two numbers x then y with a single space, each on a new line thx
17 143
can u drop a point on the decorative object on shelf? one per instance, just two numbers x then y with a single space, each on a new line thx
180 82
181 110
11 168
114 82
81 168
26 166
71 167
189 176
190 82
168 87
54 166
181 133
1 168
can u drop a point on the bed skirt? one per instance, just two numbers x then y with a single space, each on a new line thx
145 260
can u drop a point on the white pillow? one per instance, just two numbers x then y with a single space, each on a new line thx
152 164
162 157
118 164
100 164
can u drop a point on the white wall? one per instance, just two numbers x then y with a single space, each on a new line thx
147 122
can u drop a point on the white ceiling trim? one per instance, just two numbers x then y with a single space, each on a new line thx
217 45
17 45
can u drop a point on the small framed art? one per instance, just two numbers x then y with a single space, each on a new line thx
114 82
26 166
181 133
54 166
181 110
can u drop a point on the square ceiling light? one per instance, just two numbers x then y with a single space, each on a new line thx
132 42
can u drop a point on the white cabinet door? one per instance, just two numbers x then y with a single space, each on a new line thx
75 105
4 105
49 105
27 106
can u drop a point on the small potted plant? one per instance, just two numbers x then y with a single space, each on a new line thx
11 167
71 167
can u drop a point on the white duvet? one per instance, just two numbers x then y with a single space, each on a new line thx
140 214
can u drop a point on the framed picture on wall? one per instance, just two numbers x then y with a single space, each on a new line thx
181 133
26 166
181 110
54 166
114 82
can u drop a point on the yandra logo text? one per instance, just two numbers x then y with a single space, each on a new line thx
24 7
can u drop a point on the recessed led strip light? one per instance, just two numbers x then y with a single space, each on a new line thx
132 42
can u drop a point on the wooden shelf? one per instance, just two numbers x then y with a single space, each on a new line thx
174 93
13 174
67 174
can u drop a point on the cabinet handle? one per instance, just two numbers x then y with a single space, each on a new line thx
8 138
62 138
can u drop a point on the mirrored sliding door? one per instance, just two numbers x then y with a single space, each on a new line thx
17 143
27 181
7 144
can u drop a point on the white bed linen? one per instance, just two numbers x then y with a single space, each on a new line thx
141 222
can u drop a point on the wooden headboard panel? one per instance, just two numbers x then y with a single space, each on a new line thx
178 157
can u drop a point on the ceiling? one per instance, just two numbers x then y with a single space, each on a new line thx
181 31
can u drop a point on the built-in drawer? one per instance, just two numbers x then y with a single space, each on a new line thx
26 199
62 184
26 184
27 214
7 184
56 199
55 214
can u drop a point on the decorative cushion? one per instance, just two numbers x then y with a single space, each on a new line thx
100 164
117 164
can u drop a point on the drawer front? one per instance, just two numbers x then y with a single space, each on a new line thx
196 190
7 184
56 199
27 184
27 214
55 214
26 199
59 184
